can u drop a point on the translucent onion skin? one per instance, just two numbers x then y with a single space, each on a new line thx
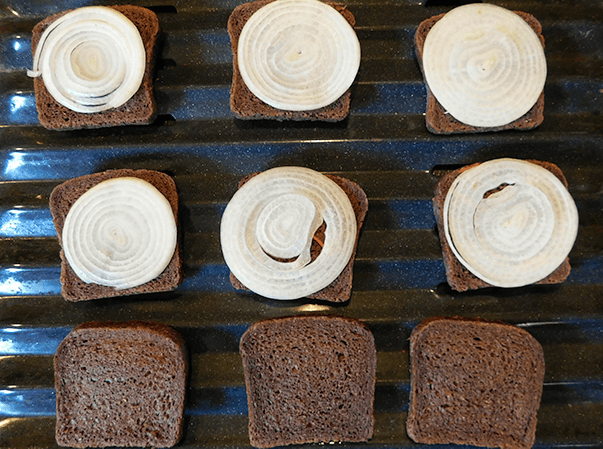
298 55
277 213
91 59
509 222
120 233
484 64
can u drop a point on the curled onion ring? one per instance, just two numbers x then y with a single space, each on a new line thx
91 59
298 55
484 64
275 214
517 235
120 233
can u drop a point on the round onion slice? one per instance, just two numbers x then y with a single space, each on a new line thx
510 222
275 214
121 233
484 64
91 59
298 55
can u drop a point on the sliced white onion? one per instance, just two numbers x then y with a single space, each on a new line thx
91 59
517 235
484 64
121 233
298 55
276 213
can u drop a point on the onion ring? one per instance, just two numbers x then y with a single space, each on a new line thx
91 59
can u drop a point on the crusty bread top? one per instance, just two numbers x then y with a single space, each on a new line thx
120 384
246 105
139 110
474 382
67 193
438 121
309 379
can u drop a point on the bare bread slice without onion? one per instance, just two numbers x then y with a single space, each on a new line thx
441 121
309 379
246 105
520 234
112 249
138 110
340 287
120 384
474 382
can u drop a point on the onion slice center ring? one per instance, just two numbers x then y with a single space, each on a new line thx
298 55
484 64
509 222
277 212
91 59
120 233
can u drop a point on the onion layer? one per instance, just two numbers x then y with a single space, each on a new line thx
91 59
484 64
510 222
120 233
298 55
276 213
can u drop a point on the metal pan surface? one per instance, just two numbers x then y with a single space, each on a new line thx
399 276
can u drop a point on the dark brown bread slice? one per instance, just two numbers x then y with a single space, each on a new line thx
67 193
340 289
459 278
309 379
245 105
120 384
141 109
474 382
438 121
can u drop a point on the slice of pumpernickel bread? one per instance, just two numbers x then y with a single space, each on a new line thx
66 194
309 379
141 109
458 277
340 289
245 105
474 382
438 121
120 384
